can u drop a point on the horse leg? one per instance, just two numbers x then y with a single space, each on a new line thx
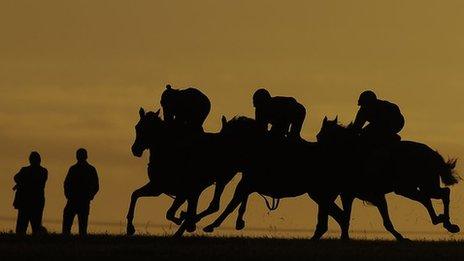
326 206
215 203
382 206
322 221
420 197
171 213
347 203
189 222
144 191
240 222
240 193
444 195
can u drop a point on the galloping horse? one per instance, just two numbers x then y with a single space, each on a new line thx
278 169
409 169
181 165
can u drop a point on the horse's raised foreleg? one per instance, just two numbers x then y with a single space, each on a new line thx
240 193
215 203
381 203
171 213
144 191
347 203
189 222
240 222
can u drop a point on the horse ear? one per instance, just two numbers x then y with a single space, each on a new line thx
223 120
168 86
141 112
325 120
336 119
157 113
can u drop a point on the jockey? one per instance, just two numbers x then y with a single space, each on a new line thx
185 107
384 118
285 114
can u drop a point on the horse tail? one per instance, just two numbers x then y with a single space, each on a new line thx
448 174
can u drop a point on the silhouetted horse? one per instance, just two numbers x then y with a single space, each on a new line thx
182 165
278 168
409 169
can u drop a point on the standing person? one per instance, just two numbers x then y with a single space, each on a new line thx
185 107
80 187
285 114
30 195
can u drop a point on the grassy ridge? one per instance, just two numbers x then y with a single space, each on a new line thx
106 247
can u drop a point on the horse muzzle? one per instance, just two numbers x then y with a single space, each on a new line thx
137 151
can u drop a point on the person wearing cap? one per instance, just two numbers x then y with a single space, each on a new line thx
30 195
185 107
384 118
285 114
80 187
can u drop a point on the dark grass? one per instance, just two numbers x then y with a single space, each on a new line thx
111 247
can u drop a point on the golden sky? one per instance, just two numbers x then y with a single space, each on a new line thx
74 73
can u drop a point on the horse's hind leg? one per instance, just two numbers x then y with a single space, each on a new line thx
239 195
144 191
240 222
420 197
444 195
382 206
171 213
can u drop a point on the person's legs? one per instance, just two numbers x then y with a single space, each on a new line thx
83 217
68 217
22 221
36 220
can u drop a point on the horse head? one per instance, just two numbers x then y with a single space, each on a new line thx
149 126
334 133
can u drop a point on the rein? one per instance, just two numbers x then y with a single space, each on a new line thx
274 205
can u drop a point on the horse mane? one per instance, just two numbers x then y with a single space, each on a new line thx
242 122
152 115
244 126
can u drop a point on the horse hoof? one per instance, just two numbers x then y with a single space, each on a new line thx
240 225
130 230
345 238
404 239
191 228
452 228
208 229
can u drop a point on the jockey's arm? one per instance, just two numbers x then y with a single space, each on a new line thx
168 116
360 120
261 119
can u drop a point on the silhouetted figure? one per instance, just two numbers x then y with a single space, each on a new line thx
384 118
30 197
285 114
80 187
188 107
